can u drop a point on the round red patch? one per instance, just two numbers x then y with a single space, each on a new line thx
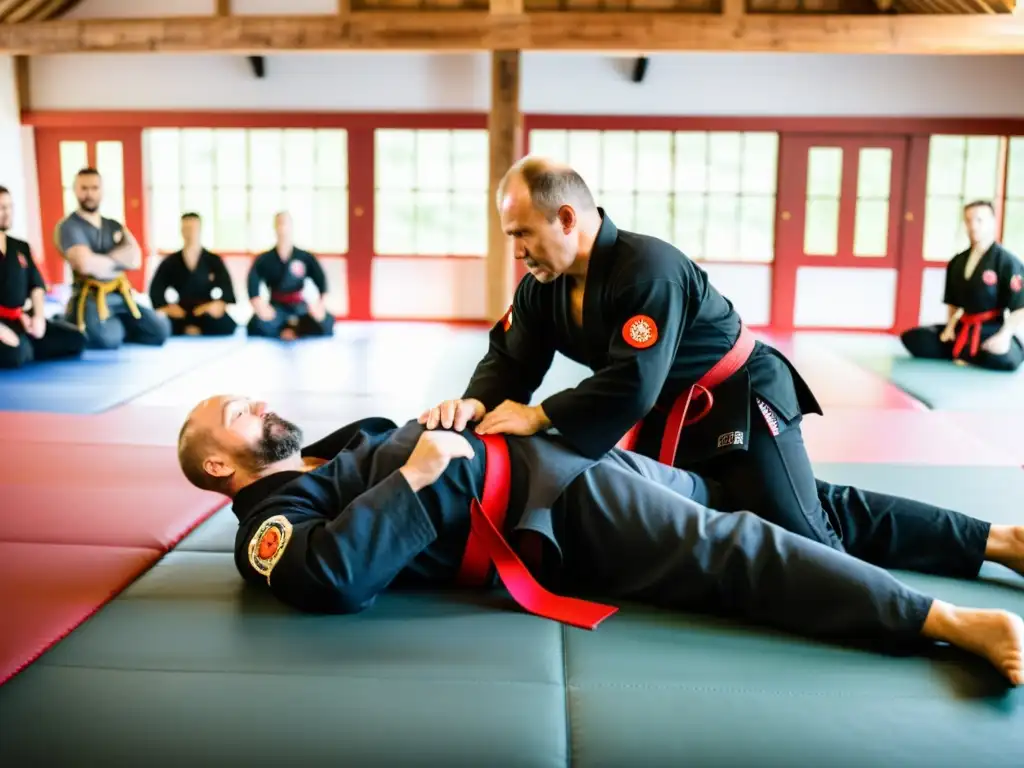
297 268
640 332
1016 283
506 321
269 543
989 277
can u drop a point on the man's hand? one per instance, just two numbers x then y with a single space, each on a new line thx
264 311
948 334
431 456
453 414
511 418
317 310
173 310
7 336
999 343
36 326
214 309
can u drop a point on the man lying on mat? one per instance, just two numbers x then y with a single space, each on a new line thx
328 527
26 337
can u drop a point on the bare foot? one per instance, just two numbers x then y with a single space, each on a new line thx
288 335
992 634
1006 546
192 330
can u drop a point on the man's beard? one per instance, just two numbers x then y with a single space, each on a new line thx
89 206
281 439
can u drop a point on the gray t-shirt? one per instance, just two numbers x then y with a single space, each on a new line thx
75 230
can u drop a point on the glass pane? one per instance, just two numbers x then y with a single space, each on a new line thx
654 161
825 172
725 155
110 164
434 161
1015 172
298 201
821 227
946 155
943 227
981 174
690 215
266 155
395 159
299 158
230 233
433 223
394 226
618 161
470 162
552 144
264 204
757 228
875 173
585 157
871 228
722 235
231 157
469 223
691 162
200 200
164 218
70 201
330 221
74 156
621 207
331 158
760 163
1013 227
654 215
113 205
162 157
196 156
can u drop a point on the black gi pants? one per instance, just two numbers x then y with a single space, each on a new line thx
60 340
151 328
774 479
924 342
631 534
207 325
296 317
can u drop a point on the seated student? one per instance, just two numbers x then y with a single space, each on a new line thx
27 337
284 270
328 527
202 284
983 284
100 251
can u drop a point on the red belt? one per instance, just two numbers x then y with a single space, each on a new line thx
293 297
10 313
487 545
733 360
970 328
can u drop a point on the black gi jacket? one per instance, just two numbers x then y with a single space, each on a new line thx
209 281
19 275
632 278
343 532
285 276
997 283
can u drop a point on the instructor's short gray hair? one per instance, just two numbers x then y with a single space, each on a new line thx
551 185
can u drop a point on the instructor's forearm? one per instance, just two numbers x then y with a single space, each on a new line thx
128 255
38 296
96 266
954 314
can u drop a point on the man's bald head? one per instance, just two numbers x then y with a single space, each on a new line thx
549 185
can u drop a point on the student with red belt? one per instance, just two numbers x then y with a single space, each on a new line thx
284 270
327 527
27 335
985 296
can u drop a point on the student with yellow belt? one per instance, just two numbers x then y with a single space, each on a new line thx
100 251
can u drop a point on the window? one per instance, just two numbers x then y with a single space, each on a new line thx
237 179
74 156
960 169
1013 211
431 192
710 194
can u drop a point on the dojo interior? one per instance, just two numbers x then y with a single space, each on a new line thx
815 166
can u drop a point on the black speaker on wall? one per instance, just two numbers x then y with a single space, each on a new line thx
640 69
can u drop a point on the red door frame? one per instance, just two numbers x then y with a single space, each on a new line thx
790 215
51 191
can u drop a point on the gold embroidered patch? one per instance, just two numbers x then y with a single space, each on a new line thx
267 546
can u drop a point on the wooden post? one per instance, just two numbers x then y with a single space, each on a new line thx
505 129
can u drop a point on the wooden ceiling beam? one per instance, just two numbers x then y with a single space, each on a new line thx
551 31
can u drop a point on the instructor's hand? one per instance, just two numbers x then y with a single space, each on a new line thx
453 414
432 455
948 334
511 418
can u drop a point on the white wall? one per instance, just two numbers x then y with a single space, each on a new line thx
12 171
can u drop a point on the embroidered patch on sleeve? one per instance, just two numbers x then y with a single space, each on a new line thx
1016 283
268 544
506 321
640 332
769 417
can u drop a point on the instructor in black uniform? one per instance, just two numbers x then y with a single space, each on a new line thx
677 376
26 337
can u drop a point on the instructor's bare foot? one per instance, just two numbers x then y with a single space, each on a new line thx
1006 546
992 634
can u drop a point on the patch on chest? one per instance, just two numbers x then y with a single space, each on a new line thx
1016 283
989 277
730 438
506 321
23 261
297 268
640 332
268 544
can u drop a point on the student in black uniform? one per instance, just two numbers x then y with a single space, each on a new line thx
328 527
668 351
284 270
985 296
201 282
26 337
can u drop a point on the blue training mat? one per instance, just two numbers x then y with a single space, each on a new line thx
102 379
